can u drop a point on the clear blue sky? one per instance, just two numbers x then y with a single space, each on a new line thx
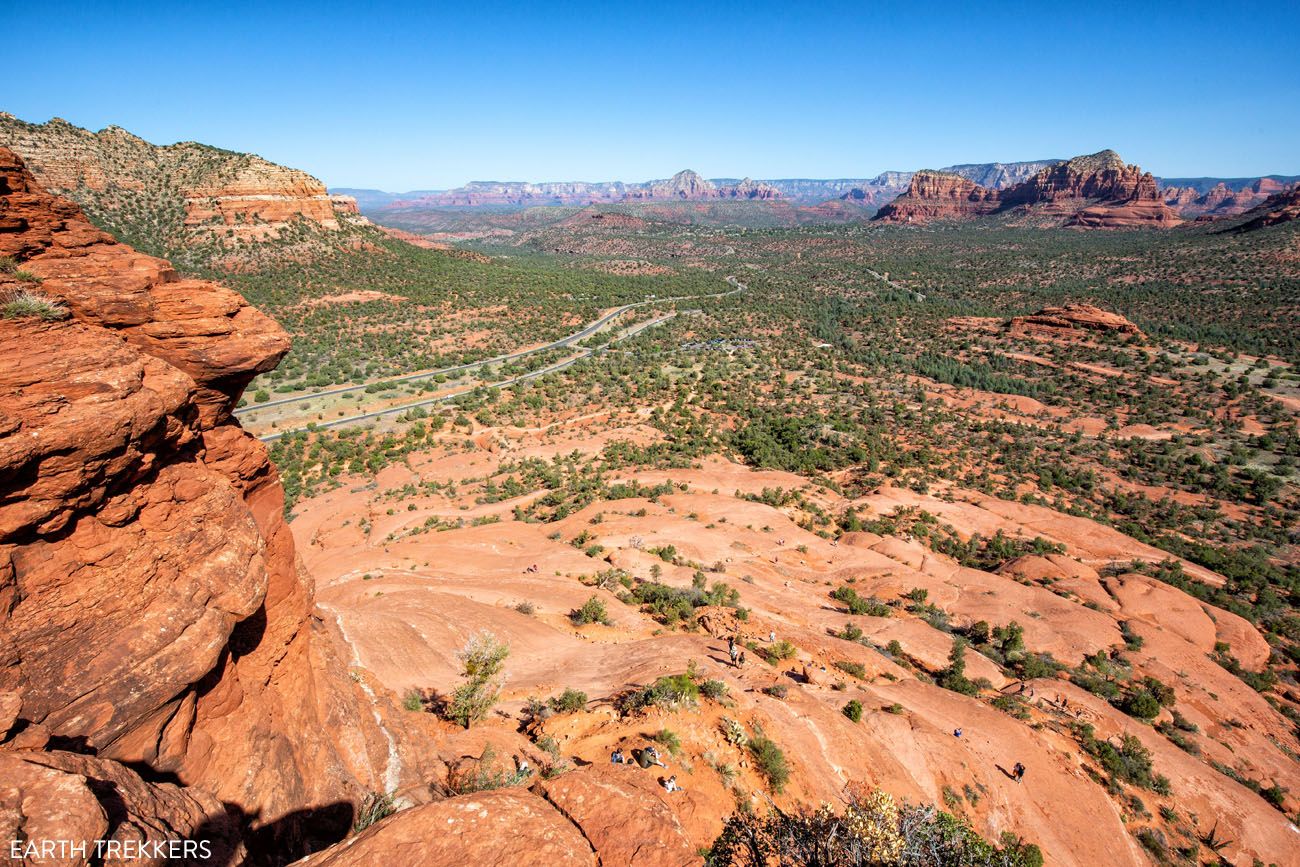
431 95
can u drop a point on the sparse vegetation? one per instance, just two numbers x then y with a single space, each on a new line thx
482 660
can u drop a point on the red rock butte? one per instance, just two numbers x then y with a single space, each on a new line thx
1098 191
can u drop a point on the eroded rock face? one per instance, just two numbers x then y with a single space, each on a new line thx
1071 320
1096 191
152 607
221 193
1280 208
685 185
99 807
504 827
939 196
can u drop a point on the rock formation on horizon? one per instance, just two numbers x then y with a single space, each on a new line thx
1094 191
1279 208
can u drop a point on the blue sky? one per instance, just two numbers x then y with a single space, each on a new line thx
431 95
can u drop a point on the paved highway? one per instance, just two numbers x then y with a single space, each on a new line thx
586 353
473 365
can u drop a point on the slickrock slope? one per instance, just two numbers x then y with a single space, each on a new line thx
164 672
405 595
153 612
1096 191
187 193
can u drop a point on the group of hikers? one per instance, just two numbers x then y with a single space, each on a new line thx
733 650
645 758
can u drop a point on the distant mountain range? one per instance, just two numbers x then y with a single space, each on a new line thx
684 186
1190 196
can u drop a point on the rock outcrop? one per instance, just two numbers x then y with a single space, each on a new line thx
1096 191
1071 320
186 192
1276 209
935 195
1212 198
153 612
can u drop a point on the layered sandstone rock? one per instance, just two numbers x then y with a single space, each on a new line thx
600 814
1071 320
1096 191
218 193
152 607
1223 199
939 196
98 807
1277 209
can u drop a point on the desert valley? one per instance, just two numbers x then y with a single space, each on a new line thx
938 516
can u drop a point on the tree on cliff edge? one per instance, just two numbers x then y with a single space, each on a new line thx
482 658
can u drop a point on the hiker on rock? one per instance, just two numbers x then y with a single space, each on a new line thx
617 757
1018 772
670 784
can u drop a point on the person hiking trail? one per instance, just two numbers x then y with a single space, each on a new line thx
653 755
1018 772
735 655
617 757
670 784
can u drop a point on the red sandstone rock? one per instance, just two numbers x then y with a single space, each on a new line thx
223 193
98 806
503 828
1071 320
1280 208
1097 191
939 196
152 607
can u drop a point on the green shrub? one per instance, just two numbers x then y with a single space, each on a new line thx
850 632
25 303
376 806
482 659
592 611
670 691
853 710
713 689
856 669
670 741
857 604
569 701
781 650
770 761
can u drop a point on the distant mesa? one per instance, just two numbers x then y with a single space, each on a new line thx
1095 191
1071 321
684 186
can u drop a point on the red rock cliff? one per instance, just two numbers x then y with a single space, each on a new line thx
153 612
939 196
1096 191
